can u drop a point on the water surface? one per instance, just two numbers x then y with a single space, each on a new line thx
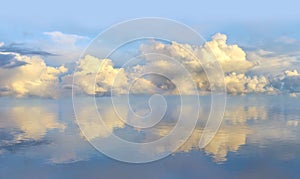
259 138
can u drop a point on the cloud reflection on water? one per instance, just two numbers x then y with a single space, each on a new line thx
246 122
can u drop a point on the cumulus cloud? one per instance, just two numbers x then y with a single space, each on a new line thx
175 70
240 83
176 62
97 76
232 59
28 76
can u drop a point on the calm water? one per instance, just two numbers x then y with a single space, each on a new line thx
259 138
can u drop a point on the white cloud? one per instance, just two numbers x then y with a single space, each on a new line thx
97 76
240 83
272 64
232 58
33 78
64 39
254 72
291 73
1 44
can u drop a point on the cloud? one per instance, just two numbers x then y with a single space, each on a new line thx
20 49
240 83
287 81
272 64
231 57
97 76
165 68
291 73
242 75
64 39
67 46
7 60
23 75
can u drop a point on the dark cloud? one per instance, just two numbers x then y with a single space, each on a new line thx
9 61
18 48
6 58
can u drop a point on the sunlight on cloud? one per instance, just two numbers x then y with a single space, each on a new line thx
93 80
32 78
240 84
231 57
252 72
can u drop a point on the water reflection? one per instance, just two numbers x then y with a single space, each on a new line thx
49 126
26 124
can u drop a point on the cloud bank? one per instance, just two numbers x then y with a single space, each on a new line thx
27 74
232 59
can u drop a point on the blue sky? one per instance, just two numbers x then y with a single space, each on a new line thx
28 19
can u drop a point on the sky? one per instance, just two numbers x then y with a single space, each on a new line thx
26 21
43 40
21 19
